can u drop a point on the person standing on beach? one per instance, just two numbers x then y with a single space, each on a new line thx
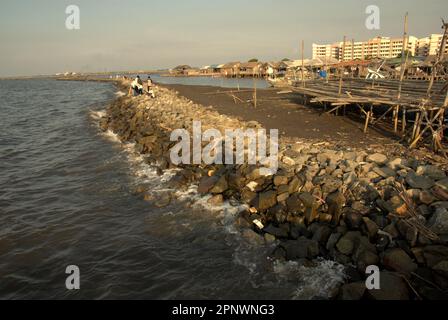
149 87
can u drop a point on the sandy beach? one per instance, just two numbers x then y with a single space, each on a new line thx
286 113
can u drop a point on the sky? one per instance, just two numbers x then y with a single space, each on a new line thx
147 34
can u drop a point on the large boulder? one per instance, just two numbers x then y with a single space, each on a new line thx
371 227
275 231
300 248
293 203
280 180
352 291
220 186
353 220
335 202
435 254
252 237
419 182
347 242
267 200
331 184
384 172
206 183
398 260
311 205
377 158
433 172
392 287
439 221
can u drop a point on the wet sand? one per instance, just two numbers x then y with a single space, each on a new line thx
287 113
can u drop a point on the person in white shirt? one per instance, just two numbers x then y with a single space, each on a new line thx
137 86
149 87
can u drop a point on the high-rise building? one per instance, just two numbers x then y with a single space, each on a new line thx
381 47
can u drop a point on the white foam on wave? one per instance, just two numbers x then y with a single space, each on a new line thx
308 282
96 115
120 93
145 172
318 280
111 136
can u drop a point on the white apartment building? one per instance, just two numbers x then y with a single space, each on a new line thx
326 50
434 44
382 47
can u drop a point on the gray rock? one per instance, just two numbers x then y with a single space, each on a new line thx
293 203
282 197
350 155
267 200
332 240
392 230
220 186
377 158
352 291
371 227
349 178
335 202
398 260
396 164
275 231
280 180
288 161
426 197
440 193
269 238
294 185
331 184
353 220
439 221
419 182
360 207
252 237
435 254
346 243
441 267
300 248
321 234
431 171
384 172
366 258
392 287
443 184
247 196
331 156
206 183
310 205
409 232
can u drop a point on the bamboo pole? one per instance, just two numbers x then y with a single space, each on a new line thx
341 68
403 121
396 111
353 55
369 115
303 64
255 93
405 45
438 58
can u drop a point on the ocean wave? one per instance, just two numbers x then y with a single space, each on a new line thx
316 281
301 281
